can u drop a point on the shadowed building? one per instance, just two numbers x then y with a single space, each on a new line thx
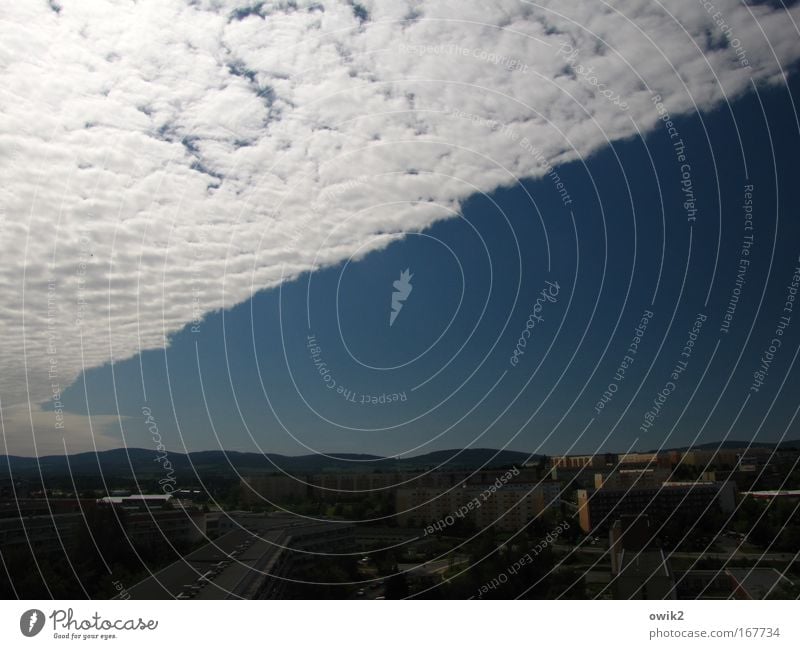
598 508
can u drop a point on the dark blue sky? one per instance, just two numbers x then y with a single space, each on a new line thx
248 379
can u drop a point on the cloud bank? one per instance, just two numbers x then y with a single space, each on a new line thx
162 159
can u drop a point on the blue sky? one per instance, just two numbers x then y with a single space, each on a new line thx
246 378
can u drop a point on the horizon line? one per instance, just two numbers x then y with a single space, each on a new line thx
333 455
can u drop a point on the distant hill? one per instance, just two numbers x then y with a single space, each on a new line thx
139 462
143 462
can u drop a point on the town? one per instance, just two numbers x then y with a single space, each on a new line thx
710 522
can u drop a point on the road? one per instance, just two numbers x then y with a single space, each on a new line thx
722 556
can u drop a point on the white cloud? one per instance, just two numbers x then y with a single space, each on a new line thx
153 149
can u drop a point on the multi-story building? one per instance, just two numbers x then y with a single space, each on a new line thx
266 489
645 460
151 518
582 461
174 526
41 534
719 458
338 486
624 478
599 507
638 458
42 525
508 507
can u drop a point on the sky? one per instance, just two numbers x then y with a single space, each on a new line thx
208 209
